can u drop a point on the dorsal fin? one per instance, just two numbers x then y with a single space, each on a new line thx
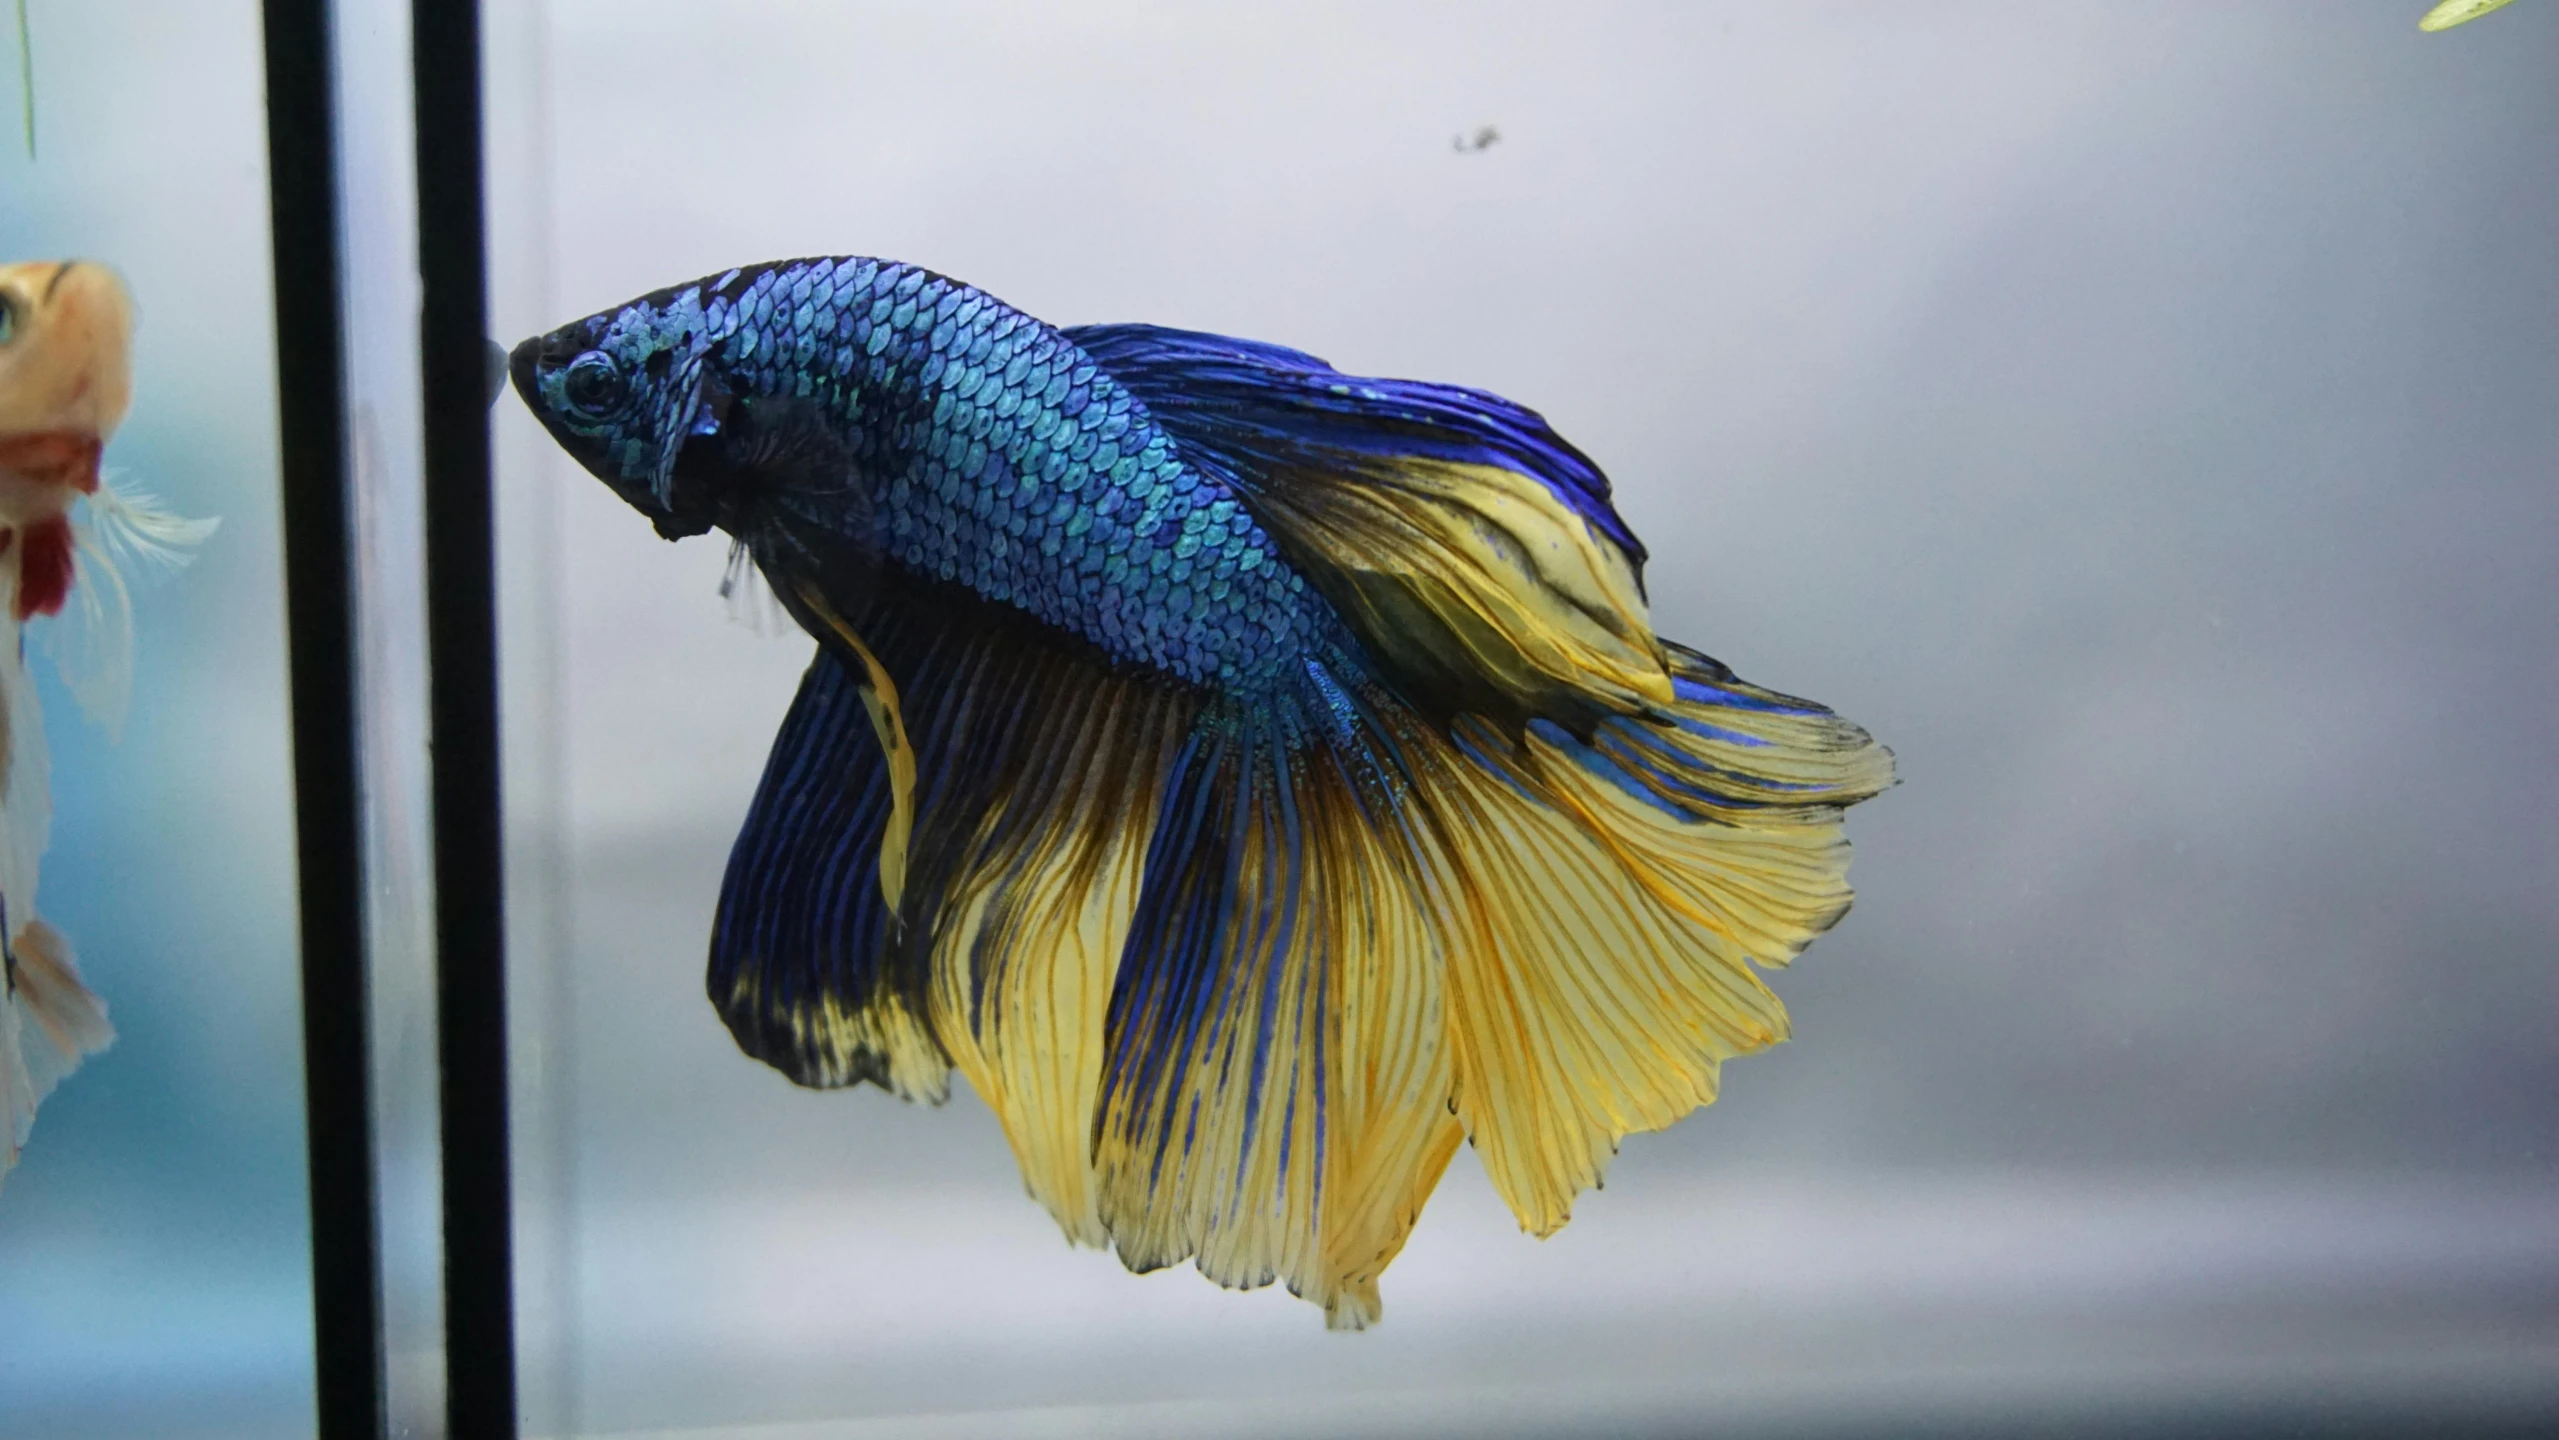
1473 549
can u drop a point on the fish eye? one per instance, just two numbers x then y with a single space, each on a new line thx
592 387
9 305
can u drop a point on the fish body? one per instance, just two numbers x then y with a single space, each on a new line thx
1253 778
65 385
920 445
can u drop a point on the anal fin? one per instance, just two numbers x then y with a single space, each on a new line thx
802 965
879 700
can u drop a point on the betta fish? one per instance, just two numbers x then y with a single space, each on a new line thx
1254 778
65 384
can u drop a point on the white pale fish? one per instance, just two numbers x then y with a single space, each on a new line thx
65 384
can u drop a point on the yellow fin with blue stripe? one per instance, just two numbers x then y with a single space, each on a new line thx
1030 929
1610 833
1465 578
1275 1096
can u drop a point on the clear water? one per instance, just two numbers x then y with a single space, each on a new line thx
154 1248
2141 417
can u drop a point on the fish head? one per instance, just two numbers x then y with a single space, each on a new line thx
622 390
66 341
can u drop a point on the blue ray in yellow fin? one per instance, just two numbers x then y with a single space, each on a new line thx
1276 1083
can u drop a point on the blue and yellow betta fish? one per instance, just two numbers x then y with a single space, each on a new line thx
1254 778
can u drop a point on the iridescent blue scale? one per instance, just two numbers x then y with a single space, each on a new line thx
1006 462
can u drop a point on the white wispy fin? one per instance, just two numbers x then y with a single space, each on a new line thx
118 532
49 1021
751 600
26 780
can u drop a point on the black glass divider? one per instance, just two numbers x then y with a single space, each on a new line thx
462 658
346 1296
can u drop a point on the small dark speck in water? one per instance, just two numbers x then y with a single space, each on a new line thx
1484 138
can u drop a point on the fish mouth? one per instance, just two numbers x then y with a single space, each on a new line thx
523 366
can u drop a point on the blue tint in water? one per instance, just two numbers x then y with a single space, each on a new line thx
154 1262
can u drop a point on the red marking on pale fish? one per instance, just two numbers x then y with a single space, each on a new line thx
53 457
44 571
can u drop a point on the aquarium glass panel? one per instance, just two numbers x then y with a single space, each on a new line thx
2138 418
377 203
154 1260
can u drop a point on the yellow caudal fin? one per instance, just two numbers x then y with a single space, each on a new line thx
1618 831
1237 977
1034 893
1346 955
1274 1097
1615 898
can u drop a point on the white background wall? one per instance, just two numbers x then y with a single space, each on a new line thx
2140 416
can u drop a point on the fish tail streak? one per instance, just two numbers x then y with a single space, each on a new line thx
1276 1073
45 980
49 1022
1239 973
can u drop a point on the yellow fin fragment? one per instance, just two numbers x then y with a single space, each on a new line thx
1393 1131
1029 937
1449 569
879 698
1275 1097
1615 898
1583 1009
2458 12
